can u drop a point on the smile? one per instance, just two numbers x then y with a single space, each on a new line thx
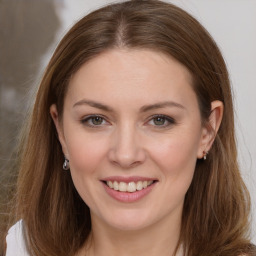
128 187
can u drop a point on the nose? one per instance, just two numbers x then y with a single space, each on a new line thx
126 149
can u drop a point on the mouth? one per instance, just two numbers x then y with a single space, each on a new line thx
128 189
129 185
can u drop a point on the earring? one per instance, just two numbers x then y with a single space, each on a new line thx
205 153
66 164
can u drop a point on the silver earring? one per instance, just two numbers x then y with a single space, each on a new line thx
66 164
205 153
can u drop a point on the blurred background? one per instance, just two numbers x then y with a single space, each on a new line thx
31 29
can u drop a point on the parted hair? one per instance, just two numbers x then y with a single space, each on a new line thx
216 212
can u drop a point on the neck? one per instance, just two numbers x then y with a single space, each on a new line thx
161 238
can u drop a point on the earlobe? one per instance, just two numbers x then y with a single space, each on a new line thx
211 128
56 120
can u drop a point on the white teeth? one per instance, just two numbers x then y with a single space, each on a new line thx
115 185
129 187
122 186
139 185
110 184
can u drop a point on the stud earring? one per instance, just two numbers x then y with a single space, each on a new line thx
66 164
205 153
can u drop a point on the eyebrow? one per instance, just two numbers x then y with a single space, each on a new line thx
93 104
163 104
145 108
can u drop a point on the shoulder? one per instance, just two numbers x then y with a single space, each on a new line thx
15 241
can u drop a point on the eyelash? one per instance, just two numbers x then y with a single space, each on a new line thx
168 119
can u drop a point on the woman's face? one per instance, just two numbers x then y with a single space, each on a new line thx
132 132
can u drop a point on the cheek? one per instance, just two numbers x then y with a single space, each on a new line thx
177 155
176 159
85 153
86 156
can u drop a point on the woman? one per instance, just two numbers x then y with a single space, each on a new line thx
135 106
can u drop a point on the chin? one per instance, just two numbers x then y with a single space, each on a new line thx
130 220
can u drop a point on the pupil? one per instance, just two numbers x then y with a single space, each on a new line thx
159 120
97 120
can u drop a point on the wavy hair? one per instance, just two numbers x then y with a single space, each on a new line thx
217 204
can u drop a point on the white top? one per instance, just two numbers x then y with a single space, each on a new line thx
15 241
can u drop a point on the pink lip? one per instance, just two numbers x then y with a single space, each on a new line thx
128 197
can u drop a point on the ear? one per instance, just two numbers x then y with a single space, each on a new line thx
59 128
211 128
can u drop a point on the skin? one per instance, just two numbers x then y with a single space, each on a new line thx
129 141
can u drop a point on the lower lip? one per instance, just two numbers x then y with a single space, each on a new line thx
128 197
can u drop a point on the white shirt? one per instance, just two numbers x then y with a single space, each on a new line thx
15 241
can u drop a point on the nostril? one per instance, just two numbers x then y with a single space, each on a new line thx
126 156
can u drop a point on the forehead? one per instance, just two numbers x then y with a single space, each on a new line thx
131 75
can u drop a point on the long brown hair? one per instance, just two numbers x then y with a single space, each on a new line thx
217 204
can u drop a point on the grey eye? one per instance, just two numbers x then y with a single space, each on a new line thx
94 121
97 120
159 120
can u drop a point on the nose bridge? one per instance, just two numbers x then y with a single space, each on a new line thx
126 149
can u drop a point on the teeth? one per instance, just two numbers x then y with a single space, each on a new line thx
139 185
110 184
115 185
122 187
150 182
129 187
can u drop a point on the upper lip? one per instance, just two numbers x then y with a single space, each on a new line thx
128 179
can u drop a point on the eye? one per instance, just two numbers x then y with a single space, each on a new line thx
161 120
94 120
